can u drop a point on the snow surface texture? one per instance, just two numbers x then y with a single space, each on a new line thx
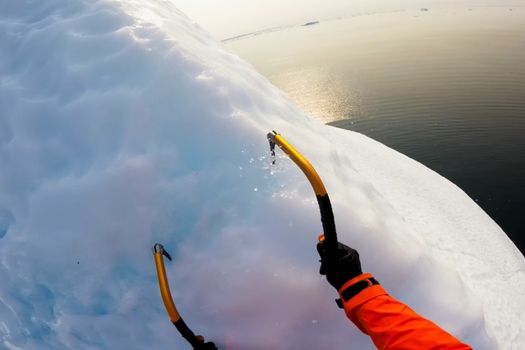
123 124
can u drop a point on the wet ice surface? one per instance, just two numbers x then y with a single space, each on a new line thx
122 124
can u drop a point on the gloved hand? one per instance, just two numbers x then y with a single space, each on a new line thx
201 344
341 267
205 346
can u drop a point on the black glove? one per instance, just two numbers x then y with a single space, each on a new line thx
341 266
205 346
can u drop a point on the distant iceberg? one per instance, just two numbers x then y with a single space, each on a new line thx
310 23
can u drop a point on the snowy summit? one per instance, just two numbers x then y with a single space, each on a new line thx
122 124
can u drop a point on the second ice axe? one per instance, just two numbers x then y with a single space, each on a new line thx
325 207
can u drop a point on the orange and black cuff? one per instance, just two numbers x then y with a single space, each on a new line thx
359 290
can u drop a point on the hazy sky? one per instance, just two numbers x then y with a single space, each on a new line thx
226 18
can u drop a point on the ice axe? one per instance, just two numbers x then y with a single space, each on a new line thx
197 341
329 237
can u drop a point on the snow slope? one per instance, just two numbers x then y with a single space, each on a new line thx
123 124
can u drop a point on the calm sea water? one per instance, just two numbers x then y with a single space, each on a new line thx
445 87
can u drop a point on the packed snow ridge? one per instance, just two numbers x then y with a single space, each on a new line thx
123 124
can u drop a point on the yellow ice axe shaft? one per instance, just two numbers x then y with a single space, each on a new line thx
325 207
171 309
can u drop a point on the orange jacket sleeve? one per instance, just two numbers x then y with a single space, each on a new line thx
391 324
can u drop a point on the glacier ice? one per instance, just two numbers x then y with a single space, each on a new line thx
122 124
